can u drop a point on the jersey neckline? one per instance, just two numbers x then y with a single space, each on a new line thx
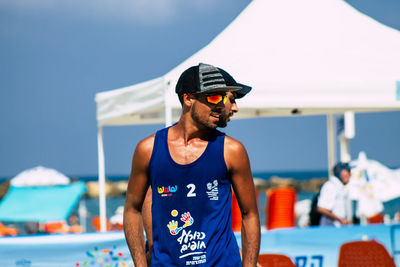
196 161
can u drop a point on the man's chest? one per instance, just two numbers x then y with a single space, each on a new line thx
186 153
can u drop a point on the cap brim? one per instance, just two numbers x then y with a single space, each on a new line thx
224 89
245 89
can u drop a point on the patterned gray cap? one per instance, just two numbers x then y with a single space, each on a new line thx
211 79
205 78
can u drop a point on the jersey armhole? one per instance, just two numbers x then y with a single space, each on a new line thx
223 137
154 151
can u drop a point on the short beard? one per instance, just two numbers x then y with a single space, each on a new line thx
196 118
223 121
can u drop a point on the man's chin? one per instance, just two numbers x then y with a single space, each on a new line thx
222 123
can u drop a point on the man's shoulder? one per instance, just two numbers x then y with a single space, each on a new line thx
335 182
330 185
232 143
233 147
146 144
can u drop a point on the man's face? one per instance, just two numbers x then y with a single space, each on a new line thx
230 108
214 115
345 176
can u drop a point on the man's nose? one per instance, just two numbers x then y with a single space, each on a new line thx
235 107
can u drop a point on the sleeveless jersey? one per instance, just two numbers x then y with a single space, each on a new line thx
191 209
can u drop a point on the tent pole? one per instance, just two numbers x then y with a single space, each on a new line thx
168 115
168 108
330 131
102 179
348 133
344 150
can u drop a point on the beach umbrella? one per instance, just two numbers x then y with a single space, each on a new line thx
40 176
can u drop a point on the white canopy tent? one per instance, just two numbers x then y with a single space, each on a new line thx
300 57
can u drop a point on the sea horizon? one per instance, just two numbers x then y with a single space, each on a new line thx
301 175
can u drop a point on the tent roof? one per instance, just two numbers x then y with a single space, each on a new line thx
40 204
303 57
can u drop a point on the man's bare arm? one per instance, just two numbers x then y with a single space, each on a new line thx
137 187
242 182
148 223
331 215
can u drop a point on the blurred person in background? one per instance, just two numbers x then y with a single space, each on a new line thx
333 197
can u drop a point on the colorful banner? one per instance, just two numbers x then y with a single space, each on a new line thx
76 250
307 247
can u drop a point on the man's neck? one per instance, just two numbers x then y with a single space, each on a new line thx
190 131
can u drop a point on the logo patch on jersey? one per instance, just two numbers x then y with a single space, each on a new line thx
166 191
192 245
173 225
212 190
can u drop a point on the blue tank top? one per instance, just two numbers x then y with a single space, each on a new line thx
191 209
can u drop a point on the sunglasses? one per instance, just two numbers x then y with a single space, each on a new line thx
216 98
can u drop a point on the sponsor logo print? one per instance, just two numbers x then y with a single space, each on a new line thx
191 243
166 191
212 190
173 225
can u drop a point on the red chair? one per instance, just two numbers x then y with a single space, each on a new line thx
364 254
96 224
56 227
275 260
8 231
377 218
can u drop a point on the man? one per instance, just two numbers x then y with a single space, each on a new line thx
230 108
191 167
333 198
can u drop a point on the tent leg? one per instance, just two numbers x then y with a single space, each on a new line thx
344 150
349 133
330 130
102 179
168 108
168 115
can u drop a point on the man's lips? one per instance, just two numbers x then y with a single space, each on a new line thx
215 115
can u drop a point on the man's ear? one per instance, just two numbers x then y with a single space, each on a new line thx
188 99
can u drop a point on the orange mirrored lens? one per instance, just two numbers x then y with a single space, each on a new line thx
215 99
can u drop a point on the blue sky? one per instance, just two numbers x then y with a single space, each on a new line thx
55 55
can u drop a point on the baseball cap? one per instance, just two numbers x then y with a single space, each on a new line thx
205 78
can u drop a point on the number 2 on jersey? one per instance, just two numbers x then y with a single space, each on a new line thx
191 193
